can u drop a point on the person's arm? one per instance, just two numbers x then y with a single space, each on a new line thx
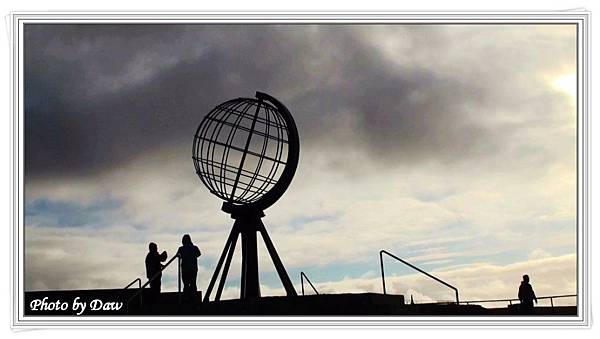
533 294
197 252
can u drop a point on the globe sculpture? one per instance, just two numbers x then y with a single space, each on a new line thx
246 152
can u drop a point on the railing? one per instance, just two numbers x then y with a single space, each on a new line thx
139 281
156 275
302 277
382 252
551 297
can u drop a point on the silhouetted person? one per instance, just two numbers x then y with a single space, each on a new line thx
526 296
189 265
154 266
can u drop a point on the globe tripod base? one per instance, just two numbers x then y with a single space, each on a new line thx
247 224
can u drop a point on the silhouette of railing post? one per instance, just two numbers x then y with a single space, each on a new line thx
302 277
382 252
382 271
178 278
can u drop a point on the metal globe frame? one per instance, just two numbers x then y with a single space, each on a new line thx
247 207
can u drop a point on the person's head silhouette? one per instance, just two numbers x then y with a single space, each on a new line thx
186 240
152 247
526 278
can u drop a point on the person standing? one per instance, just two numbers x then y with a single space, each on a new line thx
154 266
526 296
189 254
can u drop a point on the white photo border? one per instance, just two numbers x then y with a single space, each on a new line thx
581 18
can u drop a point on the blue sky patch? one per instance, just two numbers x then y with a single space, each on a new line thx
53 213
302 221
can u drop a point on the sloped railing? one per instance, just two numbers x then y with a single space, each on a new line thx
382 252
155 276
302 277
139 281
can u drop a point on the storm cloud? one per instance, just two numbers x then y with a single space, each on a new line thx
98 95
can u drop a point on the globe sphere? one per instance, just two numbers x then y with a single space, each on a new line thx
242 147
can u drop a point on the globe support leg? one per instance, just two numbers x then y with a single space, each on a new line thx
227 262
247 226
250 280
234 232
283 276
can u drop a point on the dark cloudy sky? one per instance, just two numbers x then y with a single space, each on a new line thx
451 145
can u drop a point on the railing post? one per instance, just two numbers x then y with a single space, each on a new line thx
551 303
179 278
382 272
302 281
141 293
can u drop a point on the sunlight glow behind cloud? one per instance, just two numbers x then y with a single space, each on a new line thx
567 83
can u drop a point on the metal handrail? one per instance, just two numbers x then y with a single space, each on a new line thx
551 297
413 267
141 289
139 281
302 277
